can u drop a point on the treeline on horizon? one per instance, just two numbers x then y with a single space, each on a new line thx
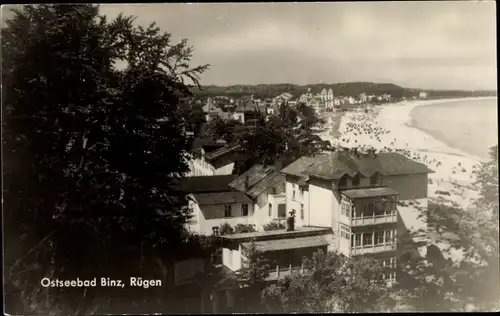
339 89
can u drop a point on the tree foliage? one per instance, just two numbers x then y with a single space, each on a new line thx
91 150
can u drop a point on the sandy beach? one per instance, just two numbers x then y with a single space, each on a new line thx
388 127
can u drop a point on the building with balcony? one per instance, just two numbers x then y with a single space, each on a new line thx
375 204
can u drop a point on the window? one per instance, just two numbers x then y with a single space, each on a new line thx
301 192
356 240
379 237
281 210
293 192
244 209
302 211
227 210
345 208
355 180
344 232
367 239
342 182
374 179
270 210
274 191
390 236
215 230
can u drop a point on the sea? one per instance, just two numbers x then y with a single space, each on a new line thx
470 125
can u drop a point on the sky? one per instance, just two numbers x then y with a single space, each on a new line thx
432 45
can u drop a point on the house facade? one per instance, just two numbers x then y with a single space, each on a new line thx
374 204
265 185
213 202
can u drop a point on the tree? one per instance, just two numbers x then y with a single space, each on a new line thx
226 229
274 226
92 151
487 180
471 280
283 137
330 283
252 278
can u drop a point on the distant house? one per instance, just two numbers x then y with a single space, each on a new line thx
212 202
265 185
212 111
422 95
363 97
248 110
282 98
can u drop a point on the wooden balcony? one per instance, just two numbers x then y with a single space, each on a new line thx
282 272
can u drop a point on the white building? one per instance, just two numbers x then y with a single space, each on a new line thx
331 190
422 95
256 197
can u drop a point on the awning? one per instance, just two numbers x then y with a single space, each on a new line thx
367 193
288 243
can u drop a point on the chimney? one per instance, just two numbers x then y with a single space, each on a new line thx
290 222
247 182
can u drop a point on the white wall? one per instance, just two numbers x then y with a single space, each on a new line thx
199 167
413 217
321 203
225 170
239 117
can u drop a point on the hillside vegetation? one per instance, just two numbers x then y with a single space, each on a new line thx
339 89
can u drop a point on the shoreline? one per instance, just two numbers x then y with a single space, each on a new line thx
438 135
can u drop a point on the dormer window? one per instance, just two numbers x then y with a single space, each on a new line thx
374 179
356 180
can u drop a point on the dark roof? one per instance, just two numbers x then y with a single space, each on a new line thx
334 165
300 165
206 184
222 151
248 106
289 243
229 197
278 234
369 192
260 179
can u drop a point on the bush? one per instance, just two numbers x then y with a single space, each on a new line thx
274 226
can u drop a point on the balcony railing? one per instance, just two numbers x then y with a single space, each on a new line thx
365 249
374 219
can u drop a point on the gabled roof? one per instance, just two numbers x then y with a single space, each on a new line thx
206 184
334 165
260 179
299 166
222 151
230 197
